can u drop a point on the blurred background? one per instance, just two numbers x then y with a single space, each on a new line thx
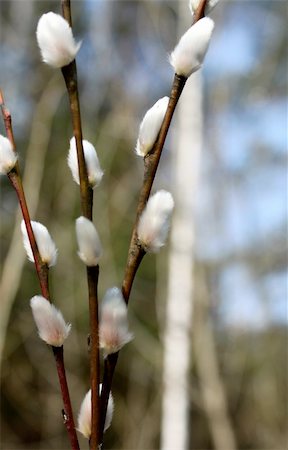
235 295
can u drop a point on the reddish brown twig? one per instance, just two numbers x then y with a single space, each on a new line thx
151 162
86 193
7 120
70 76
92 275
68 412
41 268
135 252
16 182
200 12
42 272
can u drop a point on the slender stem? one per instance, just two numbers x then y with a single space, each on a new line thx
200 12
41 268
109 368
68 413
42 272
70 76
7 120
86 194
16 182
135 252
92 276
151 162
135 256
66 11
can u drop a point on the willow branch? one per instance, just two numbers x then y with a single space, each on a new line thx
66 11
92 276
15 180
42 272
86 194
70 76
58 353
42 269
109 368
7 119
135 252
151 162
200 12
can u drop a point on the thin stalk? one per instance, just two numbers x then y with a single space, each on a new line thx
200 12
70 76
92 276
66 11
7 119
58 353
41 268
16 182
151 162
109 368
135 252
86 195
42 272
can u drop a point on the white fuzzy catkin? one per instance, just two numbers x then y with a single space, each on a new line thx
8 157
46 245
193 5
55 39
89 245
94 170
189 53
50 323
154 222
113 326
84 416
150 126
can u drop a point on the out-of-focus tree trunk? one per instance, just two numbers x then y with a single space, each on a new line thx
186 147
212 387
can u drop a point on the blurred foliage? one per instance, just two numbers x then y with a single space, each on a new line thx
123 70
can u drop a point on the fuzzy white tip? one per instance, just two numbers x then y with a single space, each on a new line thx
193 5
8 157
150 126
84 416
189 53
90 248
45 243
113 327
55 40
94 170
50 323
154 222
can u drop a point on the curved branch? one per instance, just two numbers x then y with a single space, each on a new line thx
135 252
42 272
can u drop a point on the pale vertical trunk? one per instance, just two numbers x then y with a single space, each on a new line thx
186 147
212 387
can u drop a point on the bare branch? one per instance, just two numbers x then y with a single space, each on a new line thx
42 272
86 194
